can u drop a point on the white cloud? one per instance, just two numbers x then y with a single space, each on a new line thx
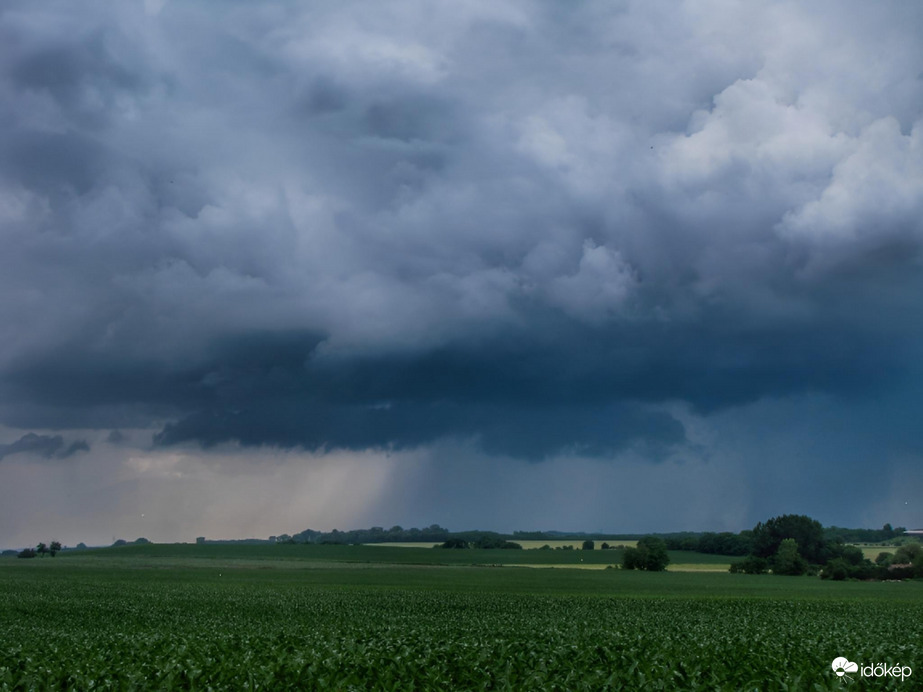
875 192
597 291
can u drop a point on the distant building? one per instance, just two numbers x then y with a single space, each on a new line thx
200 540
914 532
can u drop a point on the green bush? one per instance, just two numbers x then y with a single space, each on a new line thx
750 565
837 570
650 555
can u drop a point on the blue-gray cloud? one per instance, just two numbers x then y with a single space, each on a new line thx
534 226
46 446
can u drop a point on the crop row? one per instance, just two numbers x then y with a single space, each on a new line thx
175 635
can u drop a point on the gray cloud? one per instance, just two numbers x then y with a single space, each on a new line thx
46 446
534 226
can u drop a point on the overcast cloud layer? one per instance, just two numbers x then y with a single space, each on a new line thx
510 239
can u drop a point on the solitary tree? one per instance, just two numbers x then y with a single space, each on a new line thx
588 545
650 554
657 558
807 533
41 549
54 548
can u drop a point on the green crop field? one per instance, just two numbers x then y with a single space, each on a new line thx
357 617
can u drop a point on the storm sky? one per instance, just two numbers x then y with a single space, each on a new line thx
600 266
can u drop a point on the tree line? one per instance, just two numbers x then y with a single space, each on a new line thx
715 543
794 544
42 549
377 534
742 543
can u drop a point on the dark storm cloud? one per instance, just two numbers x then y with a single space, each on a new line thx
532 225
46 446
54 163
84 77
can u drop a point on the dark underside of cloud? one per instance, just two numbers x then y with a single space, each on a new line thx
571 390
533 226
46 446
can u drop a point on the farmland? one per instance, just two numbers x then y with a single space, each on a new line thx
358 617
526 544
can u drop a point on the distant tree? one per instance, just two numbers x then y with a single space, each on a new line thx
724 543
604 546
689 543
918 566
491 542
434 532
41 549
657 558
632 558
788 560
28 552
837 570
455 544
807 533
588 545
885 533
907 553
54 548
750 565
650 554
852 555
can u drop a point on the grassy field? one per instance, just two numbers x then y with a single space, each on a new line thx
359 617
300 554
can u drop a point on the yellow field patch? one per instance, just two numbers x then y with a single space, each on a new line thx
576 545
698 567
404 545
558 566
872 552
